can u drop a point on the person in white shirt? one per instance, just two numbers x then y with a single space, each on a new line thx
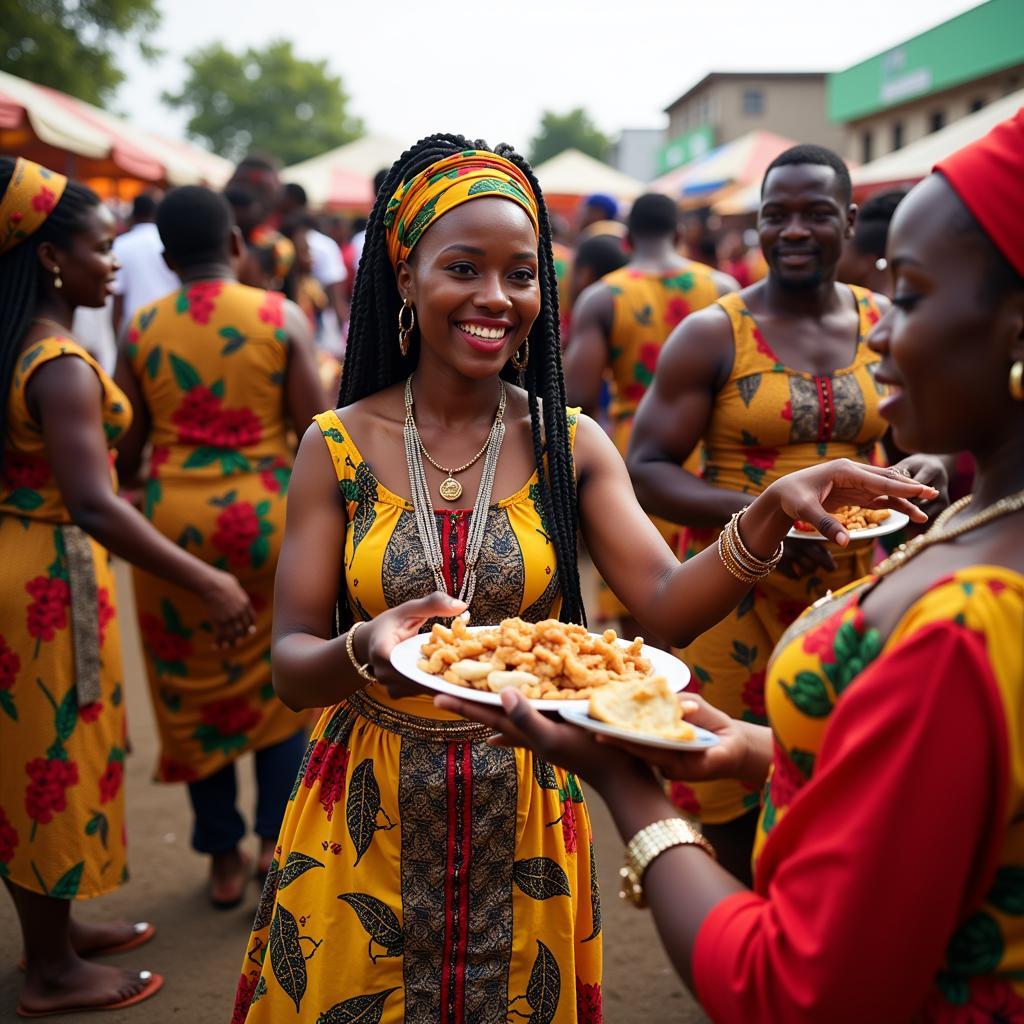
144 277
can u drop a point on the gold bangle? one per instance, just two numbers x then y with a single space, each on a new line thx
760 566
730 563
647 845
350 649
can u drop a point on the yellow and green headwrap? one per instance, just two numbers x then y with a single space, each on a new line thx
29 199
445 184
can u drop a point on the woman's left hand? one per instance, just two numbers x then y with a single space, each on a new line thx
520 725
809 494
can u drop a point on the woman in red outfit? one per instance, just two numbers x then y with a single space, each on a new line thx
889 867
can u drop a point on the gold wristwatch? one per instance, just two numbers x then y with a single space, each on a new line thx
649 843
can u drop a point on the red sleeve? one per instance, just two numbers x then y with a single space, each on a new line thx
873 865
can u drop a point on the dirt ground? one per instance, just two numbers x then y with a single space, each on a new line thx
199 950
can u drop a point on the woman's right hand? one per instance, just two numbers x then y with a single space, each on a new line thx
374 642
228 606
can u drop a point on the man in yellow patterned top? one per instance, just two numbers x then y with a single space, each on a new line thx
620 323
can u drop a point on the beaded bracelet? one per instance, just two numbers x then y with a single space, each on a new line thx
364 670
738 559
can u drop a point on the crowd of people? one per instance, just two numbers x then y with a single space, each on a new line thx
852 848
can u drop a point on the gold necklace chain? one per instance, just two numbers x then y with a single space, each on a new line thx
937 535
450 489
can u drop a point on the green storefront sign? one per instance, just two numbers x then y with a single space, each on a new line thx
686 147
979 42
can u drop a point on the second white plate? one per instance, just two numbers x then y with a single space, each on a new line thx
896 521
701 741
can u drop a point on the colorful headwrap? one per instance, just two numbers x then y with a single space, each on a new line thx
471 174
988 176
31 195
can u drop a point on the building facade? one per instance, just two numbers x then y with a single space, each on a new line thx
725 105
635 152
931 80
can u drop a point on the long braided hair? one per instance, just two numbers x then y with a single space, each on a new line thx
371 366
22 277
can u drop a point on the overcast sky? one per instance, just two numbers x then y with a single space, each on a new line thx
413 67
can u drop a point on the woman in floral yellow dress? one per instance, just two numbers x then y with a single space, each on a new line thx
215 372
62 727
889 876
422 874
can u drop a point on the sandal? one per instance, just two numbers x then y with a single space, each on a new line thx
154 982
224 895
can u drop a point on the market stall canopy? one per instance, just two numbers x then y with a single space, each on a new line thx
81 140
343 177
572 173
736 164
910 164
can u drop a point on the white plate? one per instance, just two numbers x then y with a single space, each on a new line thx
896 521
701 741
407 653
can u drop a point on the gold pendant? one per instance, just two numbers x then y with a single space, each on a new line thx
451 490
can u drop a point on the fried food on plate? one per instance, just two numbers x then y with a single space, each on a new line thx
851 517
547 660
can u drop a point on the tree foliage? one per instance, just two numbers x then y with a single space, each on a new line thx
268 99
70 44
572 130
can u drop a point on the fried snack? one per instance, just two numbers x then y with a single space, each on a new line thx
851 517
548 660
645 706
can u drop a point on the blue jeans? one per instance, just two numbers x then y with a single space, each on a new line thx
219 828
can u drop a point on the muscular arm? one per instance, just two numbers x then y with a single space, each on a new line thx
586 355
311 669
304 395
672 418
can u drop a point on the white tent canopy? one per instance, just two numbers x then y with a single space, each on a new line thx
916 160
332 177
574 173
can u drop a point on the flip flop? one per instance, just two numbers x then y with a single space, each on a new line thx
154 982
143 931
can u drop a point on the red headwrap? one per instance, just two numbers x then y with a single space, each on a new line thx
988 176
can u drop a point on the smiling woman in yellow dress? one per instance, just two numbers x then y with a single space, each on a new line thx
422 874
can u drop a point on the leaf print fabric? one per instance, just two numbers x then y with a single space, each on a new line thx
210 362
62 792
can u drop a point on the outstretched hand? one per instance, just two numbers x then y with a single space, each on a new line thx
810 494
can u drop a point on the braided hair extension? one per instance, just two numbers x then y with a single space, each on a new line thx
22 276
371 366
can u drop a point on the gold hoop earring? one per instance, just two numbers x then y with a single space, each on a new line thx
1017 381
57 282
520 361
405 330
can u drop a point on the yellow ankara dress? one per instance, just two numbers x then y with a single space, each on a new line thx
61 793
210 361
423 876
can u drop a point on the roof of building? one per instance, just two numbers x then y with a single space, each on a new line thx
715 76
978 42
